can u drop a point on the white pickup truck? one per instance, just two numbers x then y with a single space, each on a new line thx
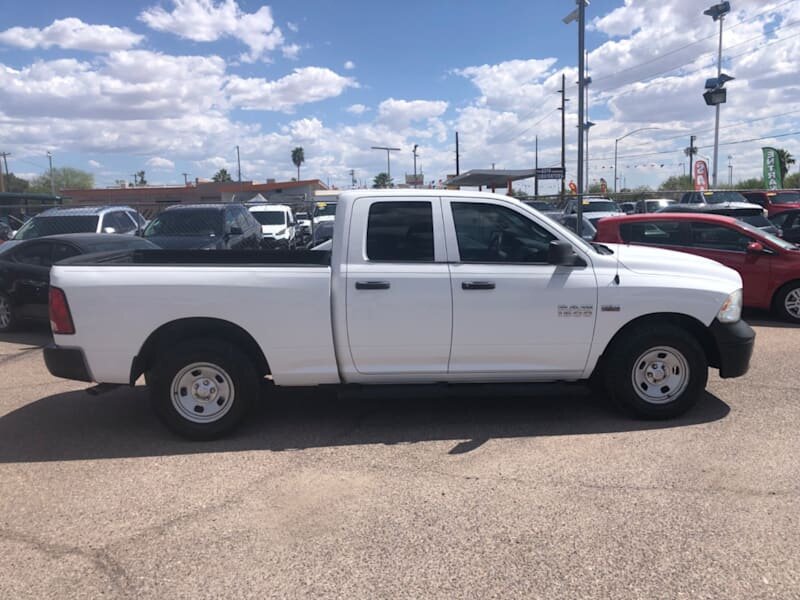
418 287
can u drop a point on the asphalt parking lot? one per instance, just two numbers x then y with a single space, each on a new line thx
493 494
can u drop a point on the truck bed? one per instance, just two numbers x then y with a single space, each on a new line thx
273 258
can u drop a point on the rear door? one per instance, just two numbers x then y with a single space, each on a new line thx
398 298
514 314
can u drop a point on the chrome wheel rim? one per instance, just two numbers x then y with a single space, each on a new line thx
792 303
5 312
202 392
660 375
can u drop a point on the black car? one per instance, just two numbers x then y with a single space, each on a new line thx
751 214
540 205
789 222
25 270
205 227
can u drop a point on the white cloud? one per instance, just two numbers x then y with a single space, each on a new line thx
208 21
160 164
309 84
72 34
400 113
357 109
349 65
94 164
291 51
292 27
512 85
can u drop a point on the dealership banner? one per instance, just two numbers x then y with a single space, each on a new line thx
700 176
772 169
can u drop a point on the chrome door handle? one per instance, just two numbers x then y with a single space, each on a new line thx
372 285
477 285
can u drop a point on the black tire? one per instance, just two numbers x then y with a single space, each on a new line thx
625 364
790 291
8 320
222 410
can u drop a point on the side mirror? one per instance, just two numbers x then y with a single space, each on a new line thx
755 248
109 230
235 231
560 253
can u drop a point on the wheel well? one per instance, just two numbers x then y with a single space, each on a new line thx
173 332
773 302
689 324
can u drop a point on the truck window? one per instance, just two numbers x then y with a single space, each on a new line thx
662 233
492 233
400 232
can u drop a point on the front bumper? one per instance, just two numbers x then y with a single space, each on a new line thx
734 346
67 363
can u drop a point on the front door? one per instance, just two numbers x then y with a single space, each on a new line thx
398 288
514 314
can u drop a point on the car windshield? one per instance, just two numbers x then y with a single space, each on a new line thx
186 222
54 225
756 220
325 209
600 206
654 205
269 217
721 197
792 197
768 236
323 231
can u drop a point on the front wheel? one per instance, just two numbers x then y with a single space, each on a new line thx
7 318
202 389
656 374
787 302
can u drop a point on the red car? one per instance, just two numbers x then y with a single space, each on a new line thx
769 266
775 201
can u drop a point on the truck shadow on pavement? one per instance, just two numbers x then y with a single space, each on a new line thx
36 337
120 424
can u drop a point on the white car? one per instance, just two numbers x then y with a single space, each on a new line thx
419 287
594 209
278 225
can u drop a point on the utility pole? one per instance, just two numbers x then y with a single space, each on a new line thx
563 110
581 75
690 152
716 118
388 159
730 170
414 152
353 181
5 156
458 172
536 171
185 179
52 181
239 163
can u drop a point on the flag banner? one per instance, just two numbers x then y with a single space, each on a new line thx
700 176
772 169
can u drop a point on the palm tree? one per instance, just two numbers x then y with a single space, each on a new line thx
784 159
298 158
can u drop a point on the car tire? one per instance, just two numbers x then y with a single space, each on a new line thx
202 389
787 302
8 320
658 372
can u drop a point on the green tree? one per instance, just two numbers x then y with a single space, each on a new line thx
222 176
754 183
16 184
65 178
676 183
382 180
140 178
792 182
298 158
786 160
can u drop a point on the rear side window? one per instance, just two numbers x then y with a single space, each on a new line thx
400 232
710 236
34 254
662 233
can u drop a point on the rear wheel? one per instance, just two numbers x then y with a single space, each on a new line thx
7 317
656 374
202 389
787 302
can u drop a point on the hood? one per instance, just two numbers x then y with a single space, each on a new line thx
5 246
596 216
656 261
186 242
735 205
272 229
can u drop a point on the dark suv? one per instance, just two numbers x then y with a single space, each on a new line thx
775 201
205 227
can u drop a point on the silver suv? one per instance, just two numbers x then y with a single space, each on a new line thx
82 219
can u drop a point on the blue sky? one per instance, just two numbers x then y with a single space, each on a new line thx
336 78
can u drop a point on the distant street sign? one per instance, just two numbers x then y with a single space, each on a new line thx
551 173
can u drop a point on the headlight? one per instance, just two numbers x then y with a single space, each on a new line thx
731 310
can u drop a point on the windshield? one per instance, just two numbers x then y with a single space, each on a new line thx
768 236
654 205
271 217
600 206
786 198
186 222
40 226
565 233
325 209
720 197
323 231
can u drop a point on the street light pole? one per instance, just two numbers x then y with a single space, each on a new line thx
414 152
52 181
718 12
716 120
616 144
388 159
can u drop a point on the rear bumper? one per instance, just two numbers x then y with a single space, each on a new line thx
67 363
734 344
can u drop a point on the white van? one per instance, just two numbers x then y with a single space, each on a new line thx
277 224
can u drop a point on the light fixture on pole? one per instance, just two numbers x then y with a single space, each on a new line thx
716 94
579 14
586 127
616 144
414 152
388 159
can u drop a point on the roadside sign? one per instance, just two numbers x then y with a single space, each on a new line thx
550 173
